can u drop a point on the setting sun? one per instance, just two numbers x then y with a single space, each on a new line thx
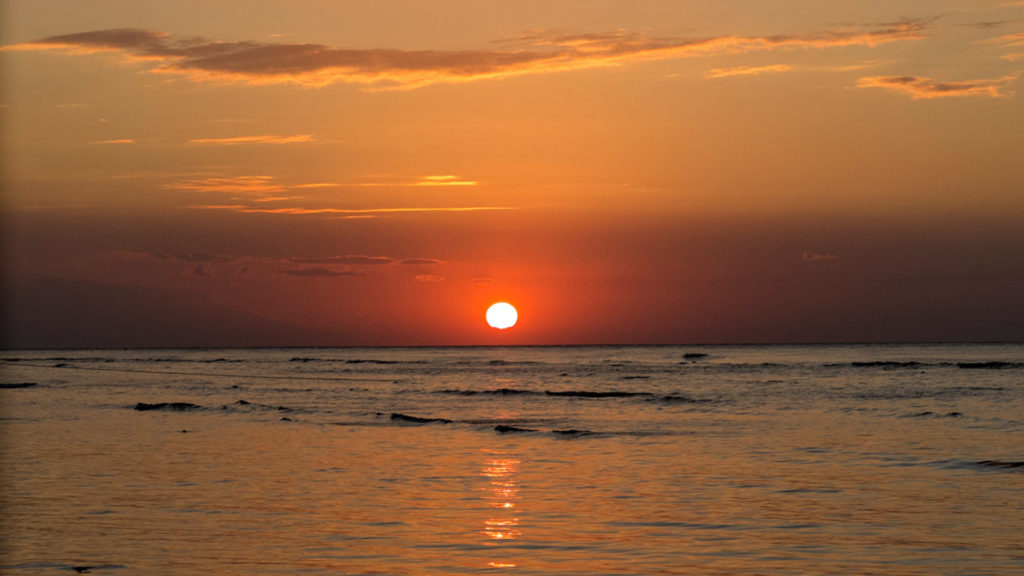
502 315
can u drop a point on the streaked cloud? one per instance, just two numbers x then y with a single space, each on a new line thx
259 194
115 141
809 256
318 185
746 71
348 260
1010 39
321 272
923 88
430 278
261 139
348 212
246 185
446 180
422 261
253 62
204 258
441 180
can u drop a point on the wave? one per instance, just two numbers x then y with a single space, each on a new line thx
13 385
167 406
497 392
674 398
395 416
257 406
506 429
994 365
590 394
307 359
893 365
1000 464
889 364
929 414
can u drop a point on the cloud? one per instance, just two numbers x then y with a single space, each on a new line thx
263 139
318 185
434 278
349 260
346 212
255 185
745 71
446 180
922 88
257 63
200 257
422 261
116 141
263 195
203 257
809 256
321 272
1011 41
443 180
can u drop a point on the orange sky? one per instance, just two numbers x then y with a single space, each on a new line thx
378 172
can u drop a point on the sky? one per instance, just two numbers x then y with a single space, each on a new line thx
377 172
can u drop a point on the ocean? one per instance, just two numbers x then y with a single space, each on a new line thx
716 460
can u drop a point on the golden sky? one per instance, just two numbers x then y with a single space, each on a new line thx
378 172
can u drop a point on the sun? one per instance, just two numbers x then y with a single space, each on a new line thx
502 315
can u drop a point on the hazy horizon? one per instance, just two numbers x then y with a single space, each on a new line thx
364 173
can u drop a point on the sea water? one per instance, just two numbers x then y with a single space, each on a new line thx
892 459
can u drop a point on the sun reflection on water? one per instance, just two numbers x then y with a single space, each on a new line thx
502 494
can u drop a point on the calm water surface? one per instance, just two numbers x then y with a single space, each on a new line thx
633 460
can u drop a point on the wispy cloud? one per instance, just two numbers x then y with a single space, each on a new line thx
317 185
203 258
259 194
245 185
254 62
745 71
348 260
446 180
922 88
809 256
321 272
432 278
348 212
441 180
262 139
115 141
1011 41
422 261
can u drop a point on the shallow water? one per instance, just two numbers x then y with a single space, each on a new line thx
633 460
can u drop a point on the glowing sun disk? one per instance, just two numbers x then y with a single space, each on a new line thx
502 315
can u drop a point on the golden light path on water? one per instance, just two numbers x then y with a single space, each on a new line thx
503 496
